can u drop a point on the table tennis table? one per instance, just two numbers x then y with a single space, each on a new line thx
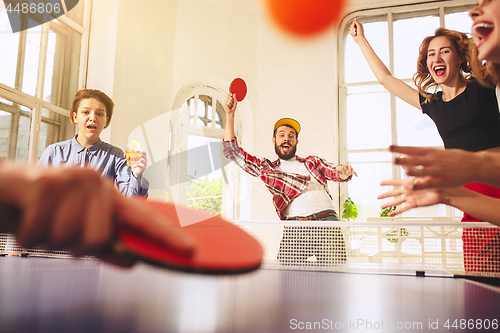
84 295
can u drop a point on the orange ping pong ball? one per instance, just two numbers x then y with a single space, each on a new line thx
305 17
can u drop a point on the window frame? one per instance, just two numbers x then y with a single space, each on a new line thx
391 13
36 103
194 92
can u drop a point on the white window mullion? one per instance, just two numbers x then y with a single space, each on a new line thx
84 46
20 60
36 112
214 110
396 170
195 108
441 16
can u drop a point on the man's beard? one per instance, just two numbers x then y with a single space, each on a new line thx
290 154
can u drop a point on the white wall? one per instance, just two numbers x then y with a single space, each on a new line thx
158 47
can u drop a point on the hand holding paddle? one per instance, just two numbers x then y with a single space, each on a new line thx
230 104
76 210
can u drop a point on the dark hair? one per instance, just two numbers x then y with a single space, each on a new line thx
92 93
296 135
422 78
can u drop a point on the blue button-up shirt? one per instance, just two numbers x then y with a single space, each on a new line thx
101 156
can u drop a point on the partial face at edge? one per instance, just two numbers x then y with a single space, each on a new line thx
486 17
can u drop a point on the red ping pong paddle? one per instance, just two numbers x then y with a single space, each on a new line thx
238 87
221 247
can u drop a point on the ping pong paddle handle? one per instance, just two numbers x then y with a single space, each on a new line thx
10 218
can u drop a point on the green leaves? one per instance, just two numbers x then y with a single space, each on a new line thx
402 233
385 212
205 195
350 209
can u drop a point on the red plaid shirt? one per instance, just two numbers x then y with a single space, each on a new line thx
284 186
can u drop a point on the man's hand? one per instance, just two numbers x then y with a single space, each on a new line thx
345 171
231 104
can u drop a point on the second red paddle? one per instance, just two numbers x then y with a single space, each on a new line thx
238 87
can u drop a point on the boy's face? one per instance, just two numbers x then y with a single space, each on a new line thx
91 119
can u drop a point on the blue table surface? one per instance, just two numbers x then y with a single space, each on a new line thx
70 295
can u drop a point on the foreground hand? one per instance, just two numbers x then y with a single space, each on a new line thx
443 168
345 171
76 210
413 198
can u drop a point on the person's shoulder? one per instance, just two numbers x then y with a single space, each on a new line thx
55 151
312 158
109 147
61 145
113 152
475 89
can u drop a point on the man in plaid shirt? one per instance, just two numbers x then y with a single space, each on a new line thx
299 189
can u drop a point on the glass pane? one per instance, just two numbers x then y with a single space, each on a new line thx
204 183
408 35
366 187
356 67
15 123
220 116
200 159
191 110
205 195
9 53
415 128
5 121
368 121
207 101
369 157
23 136
201 108
49 68
458 21
33 39
62 64
54 128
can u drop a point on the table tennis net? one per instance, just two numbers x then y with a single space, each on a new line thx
440 249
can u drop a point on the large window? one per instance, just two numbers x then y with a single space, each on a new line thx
196 158
204 186
41 69
372 118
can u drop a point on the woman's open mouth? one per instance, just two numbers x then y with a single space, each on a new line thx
439 70
482 30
